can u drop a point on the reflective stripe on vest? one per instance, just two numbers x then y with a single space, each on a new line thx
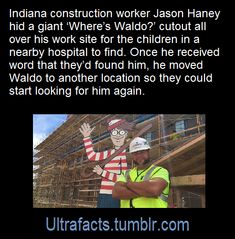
164 197
147 177
148 174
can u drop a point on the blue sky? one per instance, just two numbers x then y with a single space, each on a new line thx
45 124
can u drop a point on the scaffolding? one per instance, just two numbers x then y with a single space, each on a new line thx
177 142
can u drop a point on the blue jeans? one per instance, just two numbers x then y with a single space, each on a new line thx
107 201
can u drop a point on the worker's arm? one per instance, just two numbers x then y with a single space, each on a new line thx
151 188
120 191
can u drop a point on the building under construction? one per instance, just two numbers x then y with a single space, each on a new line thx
177 142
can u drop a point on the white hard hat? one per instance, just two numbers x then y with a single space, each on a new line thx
139 144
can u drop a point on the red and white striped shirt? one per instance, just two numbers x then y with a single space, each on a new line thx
111 170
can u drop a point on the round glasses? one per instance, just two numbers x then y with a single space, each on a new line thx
116 132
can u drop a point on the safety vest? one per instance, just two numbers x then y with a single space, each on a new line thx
146 202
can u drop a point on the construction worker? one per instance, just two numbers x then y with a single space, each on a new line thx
175 135
118 129
144 186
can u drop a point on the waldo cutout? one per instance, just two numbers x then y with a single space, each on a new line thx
118 129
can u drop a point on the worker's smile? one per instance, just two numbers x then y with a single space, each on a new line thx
139 161
141 157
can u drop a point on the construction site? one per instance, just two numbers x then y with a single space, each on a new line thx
177 144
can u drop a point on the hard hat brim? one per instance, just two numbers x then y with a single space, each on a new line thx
142 149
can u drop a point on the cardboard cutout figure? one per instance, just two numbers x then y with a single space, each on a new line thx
118 129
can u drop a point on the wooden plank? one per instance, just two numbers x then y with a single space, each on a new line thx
89 179
183 166
181 150
189 180
89 190
86 205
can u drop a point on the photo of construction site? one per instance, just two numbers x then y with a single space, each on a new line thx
68 174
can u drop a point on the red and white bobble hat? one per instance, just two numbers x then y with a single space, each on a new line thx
114 124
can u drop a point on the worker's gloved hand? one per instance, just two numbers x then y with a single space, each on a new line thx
97 169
